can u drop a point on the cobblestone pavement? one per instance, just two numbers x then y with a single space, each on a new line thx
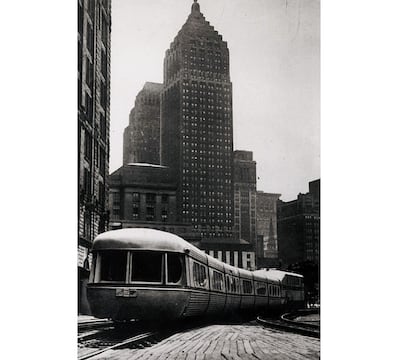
227 342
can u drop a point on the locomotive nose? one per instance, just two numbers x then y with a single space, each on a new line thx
126 303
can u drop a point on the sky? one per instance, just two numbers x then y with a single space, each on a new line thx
274 50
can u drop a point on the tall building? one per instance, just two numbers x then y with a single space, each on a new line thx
266 210
245 196
197 126
94 28
142 135
299 226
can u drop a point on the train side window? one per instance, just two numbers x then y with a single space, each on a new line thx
113 266
260 288
218 281
232 284
174 268
146 266
199 275
247 287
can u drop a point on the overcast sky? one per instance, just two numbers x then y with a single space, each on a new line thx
274 67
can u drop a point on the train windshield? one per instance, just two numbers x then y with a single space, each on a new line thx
175 268
146 266
113 265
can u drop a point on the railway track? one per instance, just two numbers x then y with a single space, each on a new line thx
101 345
93 324
287 322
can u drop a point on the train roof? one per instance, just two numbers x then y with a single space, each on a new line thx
141 238
273 274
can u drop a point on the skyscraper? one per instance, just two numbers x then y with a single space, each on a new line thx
142 135
245 196
94 27
266 222
197 126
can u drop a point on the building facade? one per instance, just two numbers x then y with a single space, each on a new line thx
299 226
197 126
144 195
244 196
94 28
142 135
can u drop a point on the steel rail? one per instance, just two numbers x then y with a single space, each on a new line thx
122 343
94 324
295 327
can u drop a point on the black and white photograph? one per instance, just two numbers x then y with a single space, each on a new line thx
199 179
161 190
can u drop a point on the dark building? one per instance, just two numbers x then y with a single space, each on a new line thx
196 126
266 220
144 195
94 28
244 196
299 226
142 135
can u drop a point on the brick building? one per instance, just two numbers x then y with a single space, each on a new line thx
244 196
197 128
142 135
299 226
94 28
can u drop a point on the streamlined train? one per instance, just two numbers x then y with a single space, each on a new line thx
147 274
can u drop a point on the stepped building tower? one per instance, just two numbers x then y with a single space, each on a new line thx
197 126
142 135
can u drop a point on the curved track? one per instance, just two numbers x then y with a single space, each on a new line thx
287 322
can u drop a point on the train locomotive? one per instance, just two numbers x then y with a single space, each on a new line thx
147 274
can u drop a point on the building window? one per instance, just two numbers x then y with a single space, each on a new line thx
164 215
91 8
89 38
89 74
115 213
102 125
89 107
150 214
88 146
87 183
150 198
104 64
135 197
135 211
101 195
116 199
164 198
102 161
103 94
